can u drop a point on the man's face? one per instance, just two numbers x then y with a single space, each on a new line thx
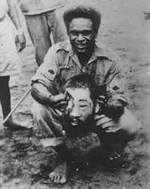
81 34
80 106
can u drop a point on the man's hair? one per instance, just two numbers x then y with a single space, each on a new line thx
82 11
83 81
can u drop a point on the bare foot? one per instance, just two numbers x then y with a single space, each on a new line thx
59 175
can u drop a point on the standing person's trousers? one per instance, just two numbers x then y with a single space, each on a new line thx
40 28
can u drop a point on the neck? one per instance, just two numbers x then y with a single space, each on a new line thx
84 57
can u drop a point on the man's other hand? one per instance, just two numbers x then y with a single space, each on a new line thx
114 108
58 101
106 124
20 41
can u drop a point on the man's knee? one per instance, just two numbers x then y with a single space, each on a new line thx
39 111
129 122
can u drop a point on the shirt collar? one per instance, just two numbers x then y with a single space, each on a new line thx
100 50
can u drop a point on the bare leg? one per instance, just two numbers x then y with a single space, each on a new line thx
5 100
59 175
49 124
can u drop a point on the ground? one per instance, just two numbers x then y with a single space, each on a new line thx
25 164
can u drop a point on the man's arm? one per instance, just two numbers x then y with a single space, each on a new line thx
114 106
44 81
116 99
16 17
42 95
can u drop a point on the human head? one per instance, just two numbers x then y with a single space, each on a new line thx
81 95
82 24
82 10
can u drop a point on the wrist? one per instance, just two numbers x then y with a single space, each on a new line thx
51 99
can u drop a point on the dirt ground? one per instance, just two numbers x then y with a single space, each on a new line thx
25 164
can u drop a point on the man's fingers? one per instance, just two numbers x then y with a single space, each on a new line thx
97 117
106 125
60 97
112 129
60 103
103 120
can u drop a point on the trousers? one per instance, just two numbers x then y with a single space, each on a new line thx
40 28
48 120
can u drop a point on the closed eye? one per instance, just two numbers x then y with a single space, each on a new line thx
83 105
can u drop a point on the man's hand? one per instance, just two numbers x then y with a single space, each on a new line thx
106 124
20 41
114 108
58 101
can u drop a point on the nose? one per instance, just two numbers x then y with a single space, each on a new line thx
80 37
75 112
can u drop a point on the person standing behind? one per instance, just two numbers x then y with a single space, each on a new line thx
10 16
42 20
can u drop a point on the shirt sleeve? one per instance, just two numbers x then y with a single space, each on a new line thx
115 82
47 72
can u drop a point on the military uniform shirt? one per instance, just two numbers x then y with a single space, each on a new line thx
61 63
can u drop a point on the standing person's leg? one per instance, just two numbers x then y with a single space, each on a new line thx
5 95
5 99
56 26
40 35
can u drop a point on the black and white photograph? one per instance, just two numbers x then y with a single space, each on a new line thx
74 94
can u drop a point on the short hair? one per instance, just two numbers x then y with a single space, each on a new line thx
83 81
82 11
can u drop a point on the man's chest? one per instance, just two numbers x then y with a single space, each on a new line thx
95 69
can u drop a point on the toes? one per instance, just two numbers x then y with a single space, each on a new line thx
59 179
55 178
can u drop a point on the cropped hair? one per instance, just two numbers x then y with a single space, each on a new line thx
82 11
83 81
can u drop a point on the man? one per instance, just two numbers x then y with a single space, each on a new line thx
42 20
81 54
10 19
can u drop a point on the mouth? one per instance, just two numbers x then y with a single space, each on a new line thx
74 123
80 46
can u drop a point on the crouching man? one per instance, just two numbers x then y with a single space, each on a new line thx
82 112
82 53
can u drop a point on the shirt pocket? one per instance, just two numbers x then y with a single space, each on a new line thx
66 72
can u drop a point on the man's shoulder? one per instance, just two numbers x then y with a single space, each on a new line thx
63 46
58 51
106 52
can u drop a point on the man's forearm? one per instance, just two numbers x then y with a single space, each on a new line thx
15 14
41 94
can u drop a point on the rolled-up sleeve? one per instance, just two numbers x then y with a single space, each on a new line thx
116 82
47 72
